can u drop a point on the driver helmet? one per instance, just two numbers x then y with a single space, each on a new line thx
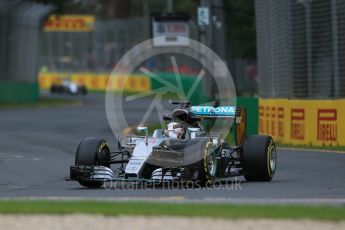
175 130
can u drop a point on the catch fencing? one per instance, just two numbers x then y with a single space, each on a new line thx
301 48
99 49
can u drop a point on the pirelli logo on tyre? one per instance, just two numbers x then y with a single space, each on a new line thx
297 130
327 125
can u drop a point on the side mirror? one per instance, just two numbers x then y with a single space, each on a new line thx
144 129
193 132
167 117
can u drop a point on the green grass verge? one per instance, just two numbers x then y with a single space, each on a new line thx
41 103
170 209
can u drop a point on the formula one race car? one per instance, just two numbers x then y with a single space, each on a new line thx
184 151
69 87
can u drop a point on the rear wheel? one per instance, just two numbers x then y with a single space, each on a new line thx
259 158
61 89
92 152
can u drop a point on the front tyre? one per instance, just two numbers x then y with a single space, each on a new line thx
83 90
52 89
204 172
209 162
92 152
259 158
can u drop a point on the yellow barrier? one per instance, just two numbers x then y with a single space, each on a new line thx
69 23
98 82
311 122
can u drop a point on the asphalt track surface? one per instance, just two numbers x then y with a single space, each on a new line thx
37 146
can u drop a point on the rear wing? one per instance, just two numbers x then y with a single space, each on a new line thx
214 112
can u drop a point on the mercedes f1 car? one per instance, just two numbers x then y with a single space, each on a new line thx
68 87
193 155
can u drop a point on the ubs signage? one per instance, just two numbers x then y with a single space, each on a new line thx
170 29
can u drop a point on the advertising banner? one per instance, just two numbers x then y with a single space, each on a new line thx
170 29
69 23
97 82
308 122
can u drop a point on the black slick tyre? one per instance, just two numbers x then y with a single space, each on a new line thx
259 158
204 172
92 152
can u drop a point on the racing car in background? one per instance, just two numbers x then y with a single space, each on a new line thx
197 155
67 86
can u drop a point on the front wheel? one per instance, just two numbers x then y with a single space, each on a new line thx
92 152
204 172
52 89
259 158
83 90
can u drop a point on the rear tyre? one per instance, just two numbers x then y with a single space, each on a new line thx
259 158
60 89
92 152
